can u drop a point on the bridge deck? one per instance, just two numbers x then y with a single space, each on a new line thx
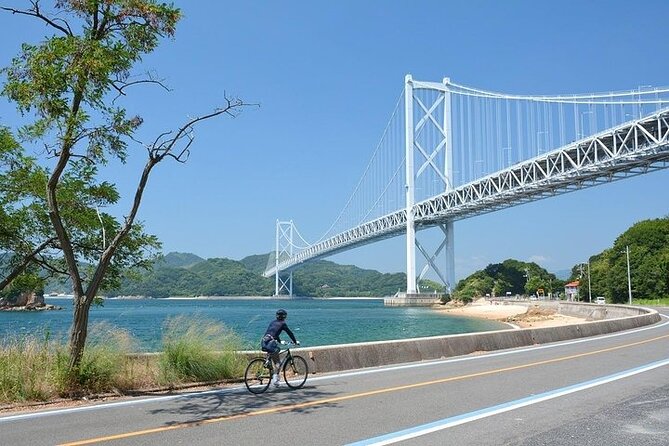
623 151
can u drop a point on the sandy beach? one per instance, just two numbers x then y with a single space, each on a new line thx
516 314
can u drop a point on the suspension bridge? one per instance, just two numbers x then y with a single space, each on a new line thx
450 152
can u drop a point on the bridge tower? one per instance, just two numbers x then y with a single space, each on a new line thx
421 158
283 251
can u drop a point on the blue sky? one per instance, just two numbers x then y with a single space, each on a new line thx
327 75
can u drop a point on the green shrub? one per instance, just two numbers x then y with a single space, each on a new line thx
198 350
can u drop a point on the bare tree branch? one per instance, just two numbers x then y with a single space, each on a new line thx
44 263
166 148
121 84
156 154
35 12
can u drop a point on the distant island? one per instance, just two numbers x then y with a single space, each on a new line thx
28 301
188 275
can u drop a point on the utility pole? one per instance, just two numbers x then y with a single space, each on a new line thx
580 279
589 287
629 277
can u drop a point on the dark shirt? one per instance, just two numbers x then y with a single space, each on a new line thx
276 327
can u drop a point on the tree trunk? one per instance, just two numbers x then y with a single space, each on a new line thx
79 331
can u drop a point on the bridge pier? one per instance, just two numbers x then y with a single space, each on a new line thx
436 158
283 249
412 300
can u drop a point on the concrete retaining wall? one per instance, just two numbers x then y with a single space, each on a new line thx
605 319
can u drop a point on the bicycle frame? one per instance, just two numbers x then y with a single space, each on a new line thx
284 355
260 370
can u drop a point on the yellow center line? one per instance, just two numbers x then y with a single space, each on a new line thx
337 399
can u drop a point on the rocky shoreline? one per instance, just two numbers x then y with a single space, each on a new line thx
45 307
27 302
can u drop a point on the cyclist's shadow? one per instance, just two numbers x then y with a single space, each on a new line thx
224 403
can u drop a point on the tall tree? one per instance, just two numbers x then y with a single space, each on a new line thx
70 82
27 238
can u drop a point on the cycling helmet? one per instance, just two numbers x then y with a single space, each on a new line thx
281 314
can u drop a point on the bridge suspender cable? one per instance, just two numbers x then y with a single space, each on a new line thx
499 145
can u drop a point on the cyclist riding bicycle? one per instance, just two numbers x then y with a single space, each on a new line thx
270 340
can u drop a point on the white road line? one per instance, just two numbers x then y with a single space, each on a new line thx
457 420
514 351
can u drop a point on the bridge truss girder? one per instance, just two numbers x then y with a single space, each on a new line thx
628 150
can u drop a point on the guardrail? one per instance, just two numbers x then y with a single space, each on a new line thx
602 319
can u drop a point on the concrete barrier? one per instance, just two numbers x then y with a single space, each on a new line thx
601 319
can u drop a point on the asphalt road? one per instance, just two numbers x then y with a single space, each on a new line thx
606 390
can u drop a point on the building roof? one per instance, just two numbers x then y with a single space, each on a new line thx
573 284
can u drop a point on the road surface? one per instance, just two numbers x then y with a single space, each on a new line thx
605 390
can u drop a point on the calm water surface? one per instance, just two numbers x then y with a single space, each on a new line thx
314 321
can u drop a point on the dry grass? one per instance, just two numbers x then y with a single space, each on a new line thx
35 370
28 370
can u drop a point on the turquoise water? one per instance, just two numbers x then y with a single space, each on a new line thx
314 321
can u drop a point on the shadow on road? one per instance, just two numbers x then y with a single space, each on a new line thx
208 406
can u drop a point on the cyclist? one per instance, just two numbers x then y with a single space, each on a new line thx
270 340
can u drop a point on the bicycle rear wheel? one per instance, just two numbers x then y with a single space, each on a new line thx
295 372
257 376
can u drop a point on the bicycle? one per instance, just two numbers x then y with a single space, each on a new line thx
258 374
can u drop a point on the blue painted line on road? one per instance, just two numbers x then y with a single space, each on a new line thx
457 420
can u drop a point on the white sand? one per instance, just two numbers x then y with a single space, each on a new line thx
519 315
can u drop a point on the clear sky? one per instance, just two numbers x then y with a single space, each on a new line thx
327 75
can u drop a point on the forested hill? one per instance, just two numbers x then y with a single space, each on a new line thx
648 244
604 275
184 274
509 277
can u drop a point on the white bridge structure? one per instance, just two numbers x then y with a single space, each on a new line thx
450 152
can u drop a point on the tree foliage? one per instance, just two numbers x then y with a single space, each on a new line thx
510 276
68 85
648 243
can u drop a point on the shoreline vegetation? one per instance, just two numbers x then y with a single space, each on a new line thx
33 369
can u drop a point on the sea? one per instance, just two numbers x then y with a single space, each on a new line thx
314 322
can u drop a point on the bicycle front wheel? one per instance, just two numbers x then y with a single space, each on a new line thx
257 376
295 372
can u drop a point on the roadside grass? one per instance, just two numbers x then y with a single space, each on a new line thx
28 370
660 302
197 349
105 366
35 368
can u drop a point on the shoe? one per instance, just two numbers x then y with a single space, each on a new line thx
275 380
